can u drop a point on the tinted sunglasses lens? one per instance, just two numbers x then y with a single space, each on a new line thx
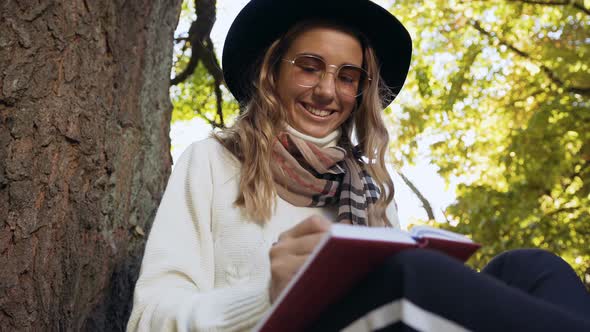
308 70
351 80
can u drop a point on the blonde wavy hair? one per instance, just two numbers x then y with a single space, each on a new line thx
251 138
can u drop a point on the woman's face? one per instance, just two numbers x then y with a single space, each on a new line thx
319 110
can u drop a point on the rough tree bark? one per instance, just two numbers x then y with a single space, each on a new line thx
84 155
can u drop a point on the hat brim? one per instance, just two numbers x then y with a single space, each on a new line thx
263 21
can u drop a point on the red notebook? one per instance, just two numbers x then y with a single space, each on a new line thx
345 255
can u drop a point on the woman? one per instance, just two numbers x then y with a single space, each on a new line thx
242 211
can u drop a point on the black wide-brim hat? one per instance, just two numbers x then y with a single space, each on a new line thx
261 22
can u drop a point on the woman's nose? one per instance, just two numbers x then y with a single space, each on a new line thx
326 88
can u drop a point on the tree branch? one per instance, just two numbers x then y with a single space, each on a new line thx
574 4
181 39
550 73
211 63
562 210
213 123
219 102
425 204
198 35
444 213
202 50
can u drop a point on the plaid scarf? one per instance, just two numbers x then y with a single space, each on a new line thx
307 175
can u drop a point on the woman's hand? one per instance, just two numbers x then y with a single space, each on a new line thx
292 249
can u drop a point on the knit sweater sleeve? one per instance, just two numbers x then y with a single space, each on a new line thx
391 213
175 290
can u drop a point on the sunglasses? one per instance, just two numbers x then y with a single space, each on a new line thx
309 70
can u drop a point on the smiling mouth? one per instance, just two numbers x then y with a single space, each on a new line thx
317 112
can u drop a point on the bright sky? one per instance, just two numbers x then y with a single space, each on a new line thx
423 174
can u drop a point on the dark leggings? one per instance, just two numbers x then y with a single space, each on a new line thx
423 290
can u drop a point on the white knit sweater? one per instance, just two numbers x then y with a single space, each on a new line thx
206 266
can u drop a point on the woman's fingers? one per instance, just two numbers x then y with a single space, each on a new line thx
302 238
302 245
286 267
282 271
313 224
293 248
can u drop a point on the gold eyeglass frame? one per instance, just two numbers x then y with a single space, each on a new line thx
335 73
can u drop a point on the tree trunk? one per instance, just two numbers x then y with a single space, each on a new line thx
84 156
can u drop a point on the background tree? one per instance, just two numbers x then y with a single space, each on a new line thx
197 86
501 90
84 156
498 90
